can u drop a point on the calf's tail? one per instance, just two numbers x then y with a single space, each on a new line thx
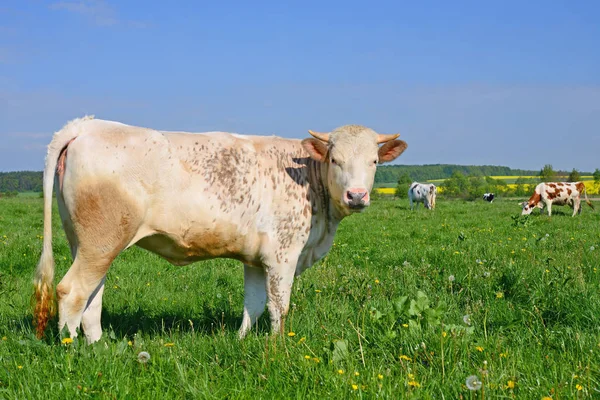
43 299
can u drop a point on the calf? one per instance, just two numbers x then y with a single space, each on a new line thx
558 193
274 204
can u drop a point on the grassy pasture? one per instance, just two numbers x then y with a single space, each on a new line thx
406 305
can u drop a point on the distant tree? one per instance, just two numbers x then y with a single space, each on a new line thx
404 182
456 185
547 174
597 176
574 176
476 187
522 188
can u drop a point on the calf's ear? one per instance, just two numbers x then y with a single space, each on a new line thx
317 150
390 150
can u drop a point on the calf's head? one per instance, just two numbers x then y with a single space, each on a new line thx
351 154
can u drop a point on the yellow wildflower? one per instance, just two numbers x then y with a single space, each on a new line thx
377 281
546 398
479 348
444 334
578 387
354 387
406 358
4 338
405 325
20 366
317 291
510 385
504 355
307 357
356 373
130 343
302 340
499 295
291 334
67 340
169 344
379 376
341 371
411 377
316 359
414 384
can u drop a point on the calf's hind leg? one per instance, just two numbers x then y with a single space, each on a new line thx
105 221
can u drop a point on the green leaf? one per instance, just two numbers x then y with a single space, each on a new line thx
340 350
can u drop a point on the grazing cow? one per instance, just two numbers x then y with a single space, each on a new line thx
558 193
422 193
272 203
488 197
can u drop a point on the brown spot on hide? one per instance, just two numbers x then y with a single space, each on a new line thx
105 218
569 191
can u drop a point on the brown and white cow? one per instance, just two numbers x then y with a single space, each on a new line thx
272 203
557 193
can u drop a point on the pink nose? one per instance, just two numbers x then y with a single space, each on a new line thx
356 197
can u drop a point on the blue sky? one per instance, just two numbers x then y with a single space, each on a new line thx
504 83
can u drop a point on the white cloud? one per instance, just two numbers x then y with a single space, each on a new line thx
99 11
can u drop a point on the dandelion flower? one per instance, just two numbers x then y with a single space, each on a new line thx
169 344
379 376
444 334
307 357
578 387
467 319
451 278
405 358
504 355
414 384
546 398
316 359
510 385
354 387
405 325
499 295
356 373
377 281
473 383
341 371
20 366
302 339
67 340
130 343
291 334
143 357
479 349
317 291
4 338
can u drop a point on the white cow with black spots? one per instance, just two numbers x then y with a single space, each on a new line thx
422 193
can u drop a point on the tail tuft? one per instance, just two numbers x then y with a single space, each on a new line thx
43 298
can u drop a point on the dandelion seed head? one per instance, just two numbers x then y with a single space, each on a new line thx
467 319
473 382
592 248
143 357
451 278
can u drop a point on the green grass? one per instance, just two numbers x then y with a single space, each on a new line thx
530 287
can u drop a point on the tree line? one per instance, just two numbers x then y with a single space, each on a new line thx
390 174
20 181
474 185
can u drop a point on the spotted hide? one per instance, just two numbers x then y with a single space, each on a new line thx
274 204
422 193
556 193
